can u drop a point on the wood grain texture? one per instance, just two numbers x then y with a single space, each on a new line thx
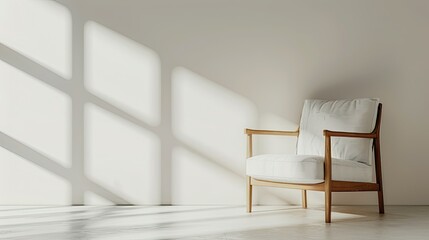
304 198
349 134
344 186
328 179
264 183
249 195
249 187
271 132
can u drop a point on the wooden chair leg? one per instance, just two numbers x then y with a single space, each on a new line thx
378 175
380 201
249 195
328 179
328 203
304 198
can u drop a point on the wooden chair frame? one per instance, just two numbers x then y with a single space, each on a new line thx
329 185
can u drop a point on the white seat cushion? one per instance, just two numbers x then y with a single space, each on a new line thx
305 169
357 115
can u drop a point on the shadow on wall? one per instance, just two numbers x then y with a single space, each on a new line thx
90 119
352 86
115 121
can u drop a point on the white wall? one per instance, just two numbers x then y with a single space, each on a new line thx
144 102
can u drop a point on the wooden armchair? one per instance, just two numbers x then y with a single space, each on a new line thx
304 172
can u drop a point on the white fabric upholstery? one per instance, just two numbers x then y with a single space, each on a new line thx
358 115
305 169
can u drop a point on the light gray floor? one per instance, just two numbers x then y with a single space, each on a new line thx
216 222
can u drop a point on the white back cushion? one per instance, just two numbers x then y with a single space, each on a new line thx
357 115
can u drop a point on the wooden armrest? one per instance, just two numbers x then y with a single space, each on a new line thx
328 133
271 132
328 155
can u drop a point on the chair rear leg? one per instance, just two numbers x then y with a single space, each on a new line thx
379 177
380 201
304 198
249 195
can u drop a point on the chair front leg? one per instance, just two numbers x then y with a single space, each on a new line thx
328 203
328 179
249 179
249 195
